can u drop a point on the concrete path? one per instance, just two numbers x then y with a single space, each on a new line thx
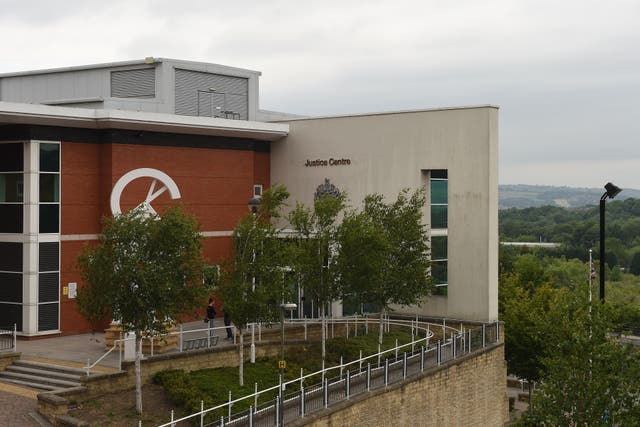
16 404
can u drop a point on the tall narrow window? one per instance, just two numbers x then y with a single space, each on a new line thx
49 188
11 187
11 268
48 285
439 203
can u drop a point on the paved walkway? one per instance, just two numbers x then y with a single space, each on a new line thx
16 404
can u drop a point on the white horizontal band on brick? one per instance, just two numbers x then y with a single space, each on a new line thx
79 237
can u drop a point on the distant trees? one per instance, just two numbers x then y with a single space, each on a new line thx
578 229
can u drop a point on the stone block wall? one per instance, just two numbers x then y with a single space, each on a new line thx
469 391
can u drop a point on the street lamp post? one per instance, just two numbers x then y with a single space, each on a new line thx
612 191
254 203
281 363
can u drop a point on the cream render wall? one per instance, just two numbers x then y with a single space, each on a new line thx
390 151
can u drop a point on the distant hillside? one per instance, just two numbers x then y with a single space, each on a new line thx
525 196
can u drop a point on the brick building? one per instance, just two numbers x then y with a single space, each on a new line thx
82 142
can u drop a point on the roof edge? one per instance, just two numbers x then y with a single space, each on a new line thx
386 113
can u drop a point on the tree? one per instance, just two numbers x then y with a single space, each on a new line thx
145 272
589 377
253 280
383 254
635 264
316 236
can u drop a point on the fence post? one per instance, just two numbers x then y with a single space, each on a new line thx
360 361
347 327
378 355
484 336
356 328
444 324
322 370
229 405
305 328
340 367
497 331
396 348
326 392
439 354
453 340
277 408
221 420
347 384
250 416
366 325
15 335
302 401
201 413
386 371
404 365
422 359
368 376
172 423
470 341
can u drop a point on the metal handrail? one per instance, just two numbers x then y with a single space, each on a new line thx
450 342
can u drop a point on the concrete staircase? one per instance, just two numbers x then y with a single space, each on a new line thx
42 376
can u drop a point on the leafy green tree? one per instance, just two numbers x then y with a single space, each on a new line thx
145 272
524 313
383 254
316 237
635 264
589 377
253 281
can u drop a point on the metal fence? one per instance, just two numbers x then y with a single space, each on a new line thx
338 383
8 338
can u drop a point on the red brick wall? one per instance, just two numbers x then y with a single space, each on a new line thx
215 186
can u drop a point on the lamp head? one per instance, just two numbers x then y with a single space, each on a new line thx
254 202
288 306
612 190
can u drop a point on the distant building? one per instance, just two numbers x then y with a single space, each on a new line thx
78 143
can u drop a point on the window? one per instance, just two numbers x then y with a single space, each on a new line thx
439 198
11 187
11 284
257 190
49 180
439 210
439 264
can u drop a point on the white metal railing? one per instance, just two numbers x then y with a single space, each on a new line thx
208 336
337 382
8 338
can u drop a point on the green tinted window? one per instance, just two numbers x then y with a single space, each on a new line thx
49 187
439 272
439 216
439 173
438 247
11 187
439 192
49 157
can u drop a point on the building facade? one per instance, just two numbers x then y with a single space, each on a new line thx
80 143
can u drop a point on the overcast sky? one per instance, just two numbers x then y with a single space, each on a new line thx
565 73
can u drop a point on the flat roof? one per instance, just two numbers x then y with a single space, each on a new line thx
383 113
37 114
146 61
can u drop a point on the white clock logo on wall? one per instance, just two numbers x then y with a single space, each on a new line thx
145 205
